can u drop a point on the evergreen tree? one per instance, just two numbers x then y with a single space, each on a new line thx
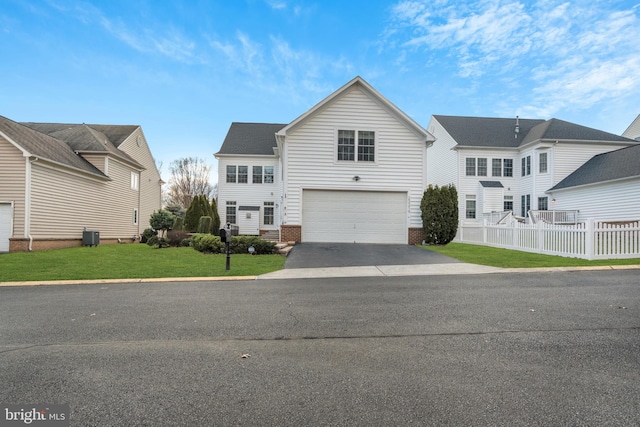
215 226
439 208
194 212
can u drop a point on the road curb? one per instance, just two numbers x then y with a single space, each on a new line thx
119 281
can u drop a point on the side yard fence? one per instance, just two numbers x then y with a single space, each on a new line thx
589 240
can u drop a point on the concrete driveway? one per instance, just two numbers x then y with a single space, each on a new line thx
317 255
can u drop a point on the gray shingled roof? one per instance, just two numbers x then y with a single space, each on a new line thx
618 164
90 138
491 184
45 147
250 138
500 132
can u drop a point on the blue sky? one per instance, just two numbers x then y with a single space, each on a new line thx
184 70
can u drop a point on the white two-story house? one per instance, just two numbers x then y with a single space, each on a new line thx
351 169
510 164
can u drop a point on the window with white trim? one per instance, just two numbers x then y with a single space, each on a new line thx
268 175
268 216
543 203
470 206
526 166
243 174
475 166
231 174
257 175
507 169
135 216
231 212
482 166
525 204
135 181
470 164
496 167
508 203
362 142
542 162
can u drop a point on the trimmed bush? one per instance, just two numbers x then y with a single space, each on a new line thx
240 245
179 224
207 243
439 208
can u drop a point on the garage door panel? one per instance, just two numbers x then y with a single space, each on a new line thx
354 216
6 212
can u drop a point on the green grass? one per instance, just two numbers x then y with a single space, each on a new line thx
131 261
496 257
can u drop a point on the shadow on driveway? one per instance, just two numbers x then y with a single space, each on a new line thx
316 255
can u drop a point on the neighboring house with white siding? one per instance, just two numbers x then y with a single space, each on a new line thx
633 131
351 169
56 180
500 164
607 187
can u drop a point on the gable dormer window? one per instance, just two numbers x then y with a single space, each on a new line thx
361 142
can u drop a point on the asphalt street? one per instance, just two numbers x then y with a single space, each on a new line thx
559 348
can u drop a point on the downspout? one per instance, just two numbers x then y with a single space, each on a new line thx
27 201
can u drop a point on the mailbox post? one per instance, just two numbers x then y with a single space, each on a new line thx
225 236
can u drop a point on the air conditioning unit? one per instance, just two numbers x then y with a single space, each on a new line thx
90 238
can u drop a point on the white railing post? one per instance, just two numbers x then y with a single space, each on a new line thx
484 231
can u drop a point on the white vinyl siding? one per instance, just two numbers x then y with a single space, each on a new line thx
310 155
250 194
354 217
6 225
612 201
442 168
567 157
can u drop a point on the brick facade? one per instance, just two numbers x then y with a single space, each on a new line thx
416 236
291 233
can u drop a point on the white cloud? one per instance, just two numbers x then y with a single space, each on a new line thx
566 54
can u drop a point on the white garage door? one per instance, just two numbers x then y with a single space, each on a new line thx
354 217
5 226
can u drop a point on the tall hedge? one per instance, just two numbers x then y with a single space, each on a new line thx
439 208
216 218
192 217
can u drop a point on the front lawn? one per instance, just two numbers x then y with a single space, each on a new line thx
505 258
130 261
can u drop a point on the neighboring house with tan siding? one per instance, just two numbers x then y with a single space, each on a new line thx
57 180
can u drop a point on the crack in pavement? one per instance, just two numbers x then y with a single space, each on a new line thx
319 338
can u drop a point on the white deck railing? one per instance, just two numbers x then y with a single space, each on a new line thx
554 217
588 240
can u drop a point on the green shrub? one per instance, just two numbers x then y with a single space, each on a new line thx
153 240
207 243
147 234
204 224
240 245
439 208
185 242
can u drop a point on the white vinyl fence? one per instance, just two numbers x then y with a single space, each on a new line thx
588 240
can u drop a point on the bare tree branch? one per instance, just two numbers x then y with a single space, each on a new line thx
189 178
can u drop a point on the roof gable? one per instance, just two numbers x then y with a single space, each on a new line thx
614 165
359 83
45 147
250 139
83 138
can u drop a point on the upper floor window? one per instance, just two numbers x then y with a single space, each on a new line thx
507 167
349 140
268 174
472 162
496 167
231 173
135 181
243 174
257 174
471 166
542 161
526 166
